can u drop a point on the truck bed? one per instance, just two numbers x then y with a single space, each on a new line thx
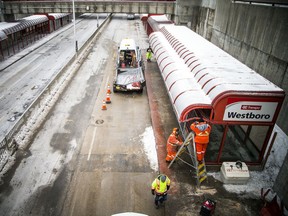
127 76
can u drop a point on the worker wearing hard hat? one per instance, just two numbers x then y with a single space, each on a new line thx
173 142
202 131
149 54
159 188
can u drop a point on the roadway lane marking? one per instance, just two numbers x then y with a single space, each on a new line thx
106 84
91 144
94 133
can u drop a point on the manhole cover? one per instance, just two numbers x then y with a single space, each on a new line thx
99 121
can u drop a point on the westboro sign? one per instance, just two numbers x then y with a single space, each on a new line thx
239 109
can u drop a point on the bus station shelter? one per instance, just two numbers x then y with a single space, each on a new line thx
203 81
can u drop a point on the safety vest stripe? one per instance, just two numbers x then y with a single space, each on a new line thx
173 144
203 133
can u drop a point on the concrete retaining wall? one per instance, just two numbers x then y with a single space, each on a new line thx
280 185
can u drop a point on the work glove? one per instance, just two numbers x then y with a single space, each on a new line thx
168 187
153 192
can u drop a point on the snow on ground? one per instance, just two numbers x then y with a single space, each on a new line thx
258 179
148 139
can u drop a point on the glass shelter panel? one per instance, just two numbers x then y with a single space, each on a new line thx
242 142
214 143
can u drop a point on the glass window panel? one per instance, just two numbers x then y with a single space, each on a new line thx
214 143
258 135
244 143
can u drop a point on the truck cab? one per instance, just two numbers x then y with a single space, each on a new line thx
129 55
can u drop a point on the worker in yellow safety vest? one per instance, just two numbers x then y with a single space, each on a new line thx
202 131
149 54
160 187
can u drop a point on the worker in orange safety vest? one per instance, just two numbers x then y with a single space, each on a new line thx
202 131
173 142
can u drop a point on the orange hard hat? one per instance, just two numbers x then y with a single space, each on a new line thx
175 129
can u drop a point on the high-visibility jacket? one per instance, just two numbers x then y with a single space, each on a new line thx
174 140
202 132
149 55
159 186
172 143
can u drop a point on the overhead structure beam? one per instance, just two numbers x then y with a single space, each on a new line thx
34 7
268 2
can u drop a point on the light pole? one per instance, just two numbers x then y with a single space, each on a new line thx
74 23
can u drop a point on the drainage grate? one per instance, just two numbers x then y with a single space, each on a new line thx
99 121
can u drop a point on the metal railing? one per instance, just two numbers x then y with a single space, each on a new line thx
266 2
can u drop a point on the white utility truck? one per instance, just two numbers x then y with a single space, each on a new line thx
129 68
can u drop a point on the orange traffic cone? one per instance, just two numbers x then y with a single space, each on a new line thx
108 99
104 107
108 89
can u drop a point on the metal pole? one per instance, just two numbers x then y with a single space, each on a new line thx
74 23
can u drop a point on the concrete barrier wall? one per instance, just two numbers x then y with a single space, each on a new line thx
280 185
206 21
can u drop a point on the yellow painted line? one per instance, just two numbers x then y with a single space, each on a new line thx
106 84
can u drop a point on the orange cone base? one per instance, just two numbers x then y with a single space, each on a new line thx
108 90
104 107
108 99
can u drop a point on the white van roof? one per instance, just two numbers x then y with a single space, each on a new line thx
127 44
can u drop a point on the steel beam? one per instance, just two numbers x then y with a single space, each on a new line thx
140 7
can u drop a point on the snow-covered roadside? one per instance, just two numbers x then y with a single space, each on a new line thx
148 139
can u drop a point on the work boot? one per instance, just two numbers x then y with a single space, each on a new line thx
157 206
